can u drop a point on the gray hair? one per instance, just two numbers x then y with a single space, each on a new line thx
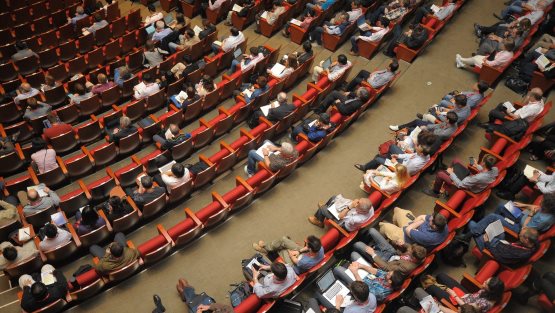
364 204
287 148
282 96
124 122
363 94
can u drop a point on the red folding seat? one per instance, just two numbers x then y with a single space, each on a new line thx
179 192
11 86
102 35
7 72
110 96
118 27
100 189
129 42
155 101
77 66
42 25
134 20
23 128
182 150
59 18
215 212
48 58
112 12
203 135
5 19
129 144
192 110
59 72
6 37
95 58
128 174
127 221
29 265
135 60
64 142
135 109
156 248
19 182
78 164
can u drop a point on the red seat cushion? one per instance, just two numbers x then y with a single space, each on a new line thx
257 178
87 278
71 194
208 211
99 182
181 228
216 157
152 244
234 194
330 239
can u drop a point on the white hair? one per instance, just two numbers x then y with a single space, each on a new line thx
287 148
282 96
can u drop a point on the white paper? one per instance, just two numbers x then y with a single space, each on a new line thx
265 109
247 92
218 43
429 305
312 123
334 210
539 50
58 218
252 262
265 145
543 63
296 22
381 180
197 30
310 311
435 8
277 69
529 171
166 167
140 86
513 209
168 134
47 278
24 234
39 188
509 106
364 27
494 229
236 8
390 163
362 273
264 15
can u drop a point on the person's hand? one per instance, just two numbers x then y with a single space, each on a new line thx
450 170
265 151
486 237
339 300
46 189
550 153
255 273
203 307
519 204
536 176
353 267
27 281
337 101
370 250
293 253
534 210
115 131
451 292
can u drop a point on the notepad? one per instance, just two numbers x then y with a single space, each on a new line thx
296 22
24 234
264 15
265 145
335 210
529 171
58 219
265 109
362 273
414 134
435 8
166 167
247 92
237 8
543 63
47 278
509 106
197 30
513 209
277 69
494 229
429 305
381 180
365 27
181 96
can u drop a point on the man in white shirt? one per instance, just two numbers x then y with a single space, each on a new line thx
54 237
248 61
356 11
235 39
282 276
501 59
441 13
355 213
146 88
531 108
24 92
333 72
376 33
414 162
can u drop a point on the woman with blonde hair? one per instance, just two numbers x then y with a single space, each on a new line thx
389 182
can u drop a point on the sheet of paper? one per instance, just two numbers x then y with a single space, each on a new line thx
311 123
264 15
181 96
494 229
218 43
252 262
529 171
539 50
197 30
247 92
296 22
543 62
364 27
509 106
24 234
435 8
237 8
39 188
166 167
513 209
265 109
58 218
47 278
429 305
390 163
265 145
335 210
277 69
362 273
414 134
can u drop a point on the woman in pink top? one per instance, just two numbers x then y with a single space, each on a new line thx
43 158
500 60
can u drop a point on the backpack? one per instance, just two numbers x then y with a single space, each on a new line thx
197 167
240 292
247 272
514 129
171 37
517 85
454 252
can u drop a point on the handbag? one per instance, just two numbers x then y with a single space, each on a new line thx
383 149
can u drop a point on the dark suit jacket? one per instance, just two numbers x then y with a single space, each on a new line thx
304 57
349 106
403 266
56 291
279 113
508 254
416 41
207 31
122 133
189 69
144 198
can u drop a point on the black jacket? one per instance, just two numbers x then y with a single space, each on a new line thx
56 291
415 41
122 133
349 106
279 113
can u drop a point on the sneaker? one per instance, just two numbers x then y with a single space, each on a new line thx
477 30
459 62
247 171
394 127
431 193
314 221
419 115
158 303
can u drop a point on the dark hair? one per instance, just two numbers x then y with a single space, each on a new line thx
178 170
149 45
276 3
262 81
313 243
509 44
50 230
39 290
116 249
496 287
98 17
191 91
179 17
307 46
33 103
342 59
146 181
418 252
394 65
469 308
89 216
384 21
548 203
9 253
187 58
189 32
116 204
482 86
397 279
360 291
279 270
489 161
253 50
324 118
452 117
79 89
234 31
439 221
460 100
38 144
147 78
21 45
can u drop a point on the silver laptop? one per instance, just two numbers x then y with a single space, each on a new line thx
168 19
330 287
327 63
150 30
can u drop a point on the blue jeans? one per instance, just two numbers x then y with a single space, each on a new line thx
478 229
233 66
513 8
446 101
316 35
253 159
354 45
215 48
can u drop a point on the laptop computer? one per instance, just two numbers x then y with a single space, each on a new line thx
330 287
150 30
238 54
168 19
326 64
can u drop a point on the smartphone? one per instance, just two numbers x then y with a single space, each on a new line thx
471 160
256 266
411 217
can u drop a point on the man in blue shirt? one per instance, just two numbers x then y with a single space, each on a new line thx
321 4
301 258
79 14
473 97
161 31
315 132
256 90
428 231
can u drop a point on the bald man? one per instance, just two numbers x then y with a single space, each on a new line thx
353 215
33 203
532 106
24 92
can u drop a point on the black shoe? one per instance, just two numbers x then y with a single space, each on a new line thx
430 193
391 55
158 303
360 167
419 115
257 31
505 195
497 16
477 30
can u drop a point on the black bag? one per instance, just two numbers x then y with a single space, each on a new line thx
514 129
197 167
517 85
247 272
514 175
82 270
240 292
199 299
454 252
287 306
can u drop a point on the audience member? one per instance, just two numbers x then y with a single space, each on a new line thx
363 300
54 237
414 162
517 7
184 68
125 129
188 295
376 79
255 90
207 29
273 160
13 255
56 128
161 31
146 88
115 257
531 107
543 182
99 22
36 109
49 83
87 220
177 175
442 13
334 71
24 92
271 15
80 94
23 52
37 293
300 258
32 202
306 21
500 59
290 63
186 41
122 74
115 208
346 103
282 276
146 191
373 34
314 129
79 14
248 61
103 84
352 213
413 38
420 295
279 109
171 137
337 27
230 43
43 158
473 96
390 182
153 55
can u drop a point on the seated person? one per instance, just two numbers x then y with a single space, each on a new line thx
438 113
184 68
248 61
6 147
301 258
56 128
528 67
282 276
346 103
462 178
37 293
24 92
275 161
23 52
321 126
87 221
36 109
386 257
413 38
306 54
334 71
391 181
380 283
207 28
444 11
374 34
32 202
502 58
79 14
115 208
363 300
103 84
291 64
279 109
170 137
428 231
428 120
414 161
247 6
99 22
473 96
188 295
186 41
205 86
546 285
8 211
116 256
504 252
161 31
13 255
306 19
544 148
532 106
322 5
271 16
43 158
80 94
376 79
210 4
257 89
490 43
192 96
122 74
153 56
146 191
337 27
392 10
177 175
54 237
235 38
125 129
354 214
483 300
517 7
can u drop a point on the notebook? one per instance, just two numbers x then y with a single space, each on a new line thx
237 8
277 69
335 210
24 234
296 22
435 8
58 219
362 273
529 171
513 209
326 64
381 180
166 167
494 229
266 144
509 106
197 30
